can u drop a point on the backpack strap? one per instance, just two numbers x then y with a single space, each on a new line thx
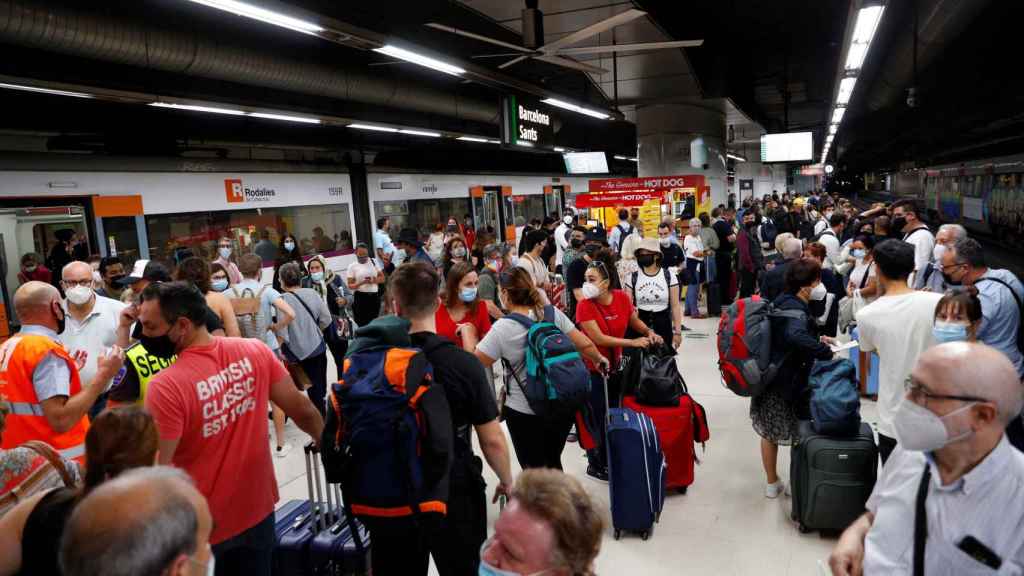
632 286
549 314
867 272
520 318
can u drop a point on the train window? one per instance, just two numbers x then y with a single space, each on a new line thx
422 215
318 229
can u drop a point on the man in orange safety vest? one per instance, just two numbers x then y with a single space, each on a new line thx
40 381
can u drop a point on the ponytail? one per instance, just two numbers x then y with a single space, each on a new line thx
521 289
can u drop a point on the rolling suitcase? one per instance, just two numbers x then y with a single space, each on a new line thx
636 471
315 536
674 425
831 478
714 300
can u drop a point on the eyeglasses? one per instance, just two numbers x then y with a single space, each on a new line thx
599 264
915 391
75 283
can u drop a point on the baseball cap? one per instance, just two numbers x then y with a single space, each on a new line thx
147 270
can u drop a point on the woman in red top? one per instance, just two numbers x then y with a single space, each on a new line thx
462 317
605 314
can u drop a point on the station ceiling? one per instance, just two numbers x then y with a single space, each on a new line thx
767 68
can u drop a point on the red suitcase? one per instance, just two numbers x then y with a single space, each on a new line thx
675 430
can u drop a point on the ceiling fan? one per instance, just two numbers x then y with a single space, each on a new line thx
555 52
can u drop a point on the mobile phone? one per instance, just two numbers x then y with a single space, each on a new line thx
975 549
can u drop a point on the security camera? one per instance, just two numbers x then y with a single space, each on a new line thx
911 97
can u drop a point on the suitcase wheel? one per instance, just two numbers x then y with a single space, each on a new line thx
803 528
645 535
618 534
682 490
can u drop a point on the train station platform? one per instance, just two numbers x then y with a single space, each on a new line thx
723 525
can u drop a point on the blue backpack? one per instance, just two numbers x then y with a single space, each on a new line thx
388 434
557 381
835 399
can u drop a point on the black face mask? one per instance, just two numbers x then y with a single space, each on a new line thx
749 225
592 249
645 260
817 307
159 346
576 243
116 280
949 280
61 322
899 223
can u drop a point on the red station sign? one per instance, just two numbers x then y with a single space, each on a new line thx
634 191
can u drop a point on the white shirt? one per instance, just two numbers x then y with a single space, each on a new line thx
382 241
537 270
692 245
833 254
561 242
899 329
651 292
924 243
986 503
820 226
360 272
857 277
94 334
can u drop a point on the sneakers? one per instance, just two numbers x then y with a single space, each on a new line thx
283 451
774 490
595 474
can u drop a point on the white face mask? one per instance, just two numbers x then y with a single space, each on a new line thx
937 253
665 242
819 292
918 428
79 295
567 220
590 290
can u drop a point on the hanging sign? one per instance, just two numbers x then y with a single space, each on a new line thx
528 123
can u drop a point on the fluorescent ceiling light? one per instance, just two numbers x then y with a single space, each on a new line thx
855 57
524 144
494 141
736 157
833 128
619 157
263 15
421 133
372 127
46 91
471 139
285 117
559 149
867 22
575 108
408 56
189 107
845 90
837 114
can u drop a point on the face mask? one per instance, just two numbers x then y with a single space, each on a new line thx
160 346
567 220
938 251
459 252
453 228
488 570
592 249
918 428
79 295
858 254
590 290
224 252
645 260
495 265
949 279
467 294
30 269
749 225
289 246
819 292
899 223
116 280
665 242
61 320
828 215
949 332
219 285
576 243
362 259
317 276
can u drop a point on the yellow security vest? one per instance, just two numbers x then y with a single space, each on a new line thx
146 366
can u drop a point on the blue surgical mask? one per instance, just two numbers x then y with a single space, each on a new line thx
949 332
224 252
467 294
289 246
219 285
858 254
488 570
317 276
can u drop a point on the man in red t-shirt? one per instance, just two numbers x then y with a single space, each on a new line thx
210 408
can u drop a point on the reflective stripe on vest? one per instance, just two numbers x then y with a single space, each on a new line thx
26 409
146 366
73 452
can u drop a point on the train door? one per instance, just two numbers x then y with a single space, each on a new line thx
492 207
30 229
556 198
121 228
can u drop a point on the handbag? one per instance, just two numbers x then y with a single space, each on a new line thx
38 479
850 305
660 383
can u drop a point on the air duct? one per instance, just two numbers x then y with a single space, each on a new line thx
113 39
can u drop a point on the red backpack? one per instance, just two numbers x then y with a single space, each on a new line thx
745 345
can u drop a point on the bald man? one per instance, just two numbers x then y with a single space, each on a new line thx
91 326
953 469
40 379
145 521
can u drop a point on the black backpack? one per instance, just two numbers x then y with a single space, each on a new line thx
623 234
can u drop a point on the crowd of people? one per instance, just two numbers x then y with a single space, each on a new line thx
143 388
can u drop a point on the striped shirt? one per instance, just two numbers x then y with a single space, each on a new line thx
986 503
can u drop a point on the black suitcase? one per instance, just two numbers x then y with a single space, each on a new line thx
831 478
714 300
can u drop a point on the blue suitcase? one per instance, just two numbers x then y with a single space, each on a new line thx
314 536
636 471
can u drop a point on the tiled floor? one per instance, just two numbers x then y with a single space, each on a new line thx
723 526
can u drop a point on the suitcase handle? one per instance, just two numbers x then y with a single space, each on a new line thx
317 500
